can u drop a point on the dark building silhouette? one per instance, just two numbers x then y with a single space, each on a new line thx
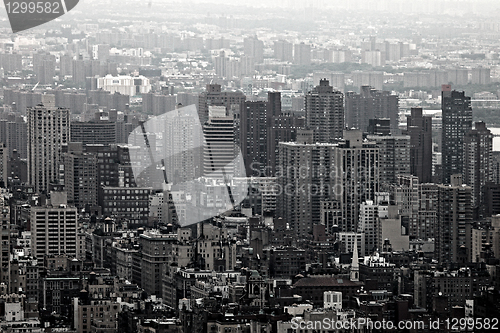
419 128
379 126
454 214
325 113
256 120
457 122
478 166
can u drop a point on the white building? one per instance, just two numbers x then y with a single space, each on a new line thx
124 84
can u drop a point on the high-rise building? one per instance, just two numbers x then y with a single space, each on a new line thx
5 245
219 148
80 176
371 104
457 122
302 54
306 176
325 113
419 128
283 50
48 130
253 47
282 128
54 228
454 214
394 156
477 159
256 120
232 100
357 176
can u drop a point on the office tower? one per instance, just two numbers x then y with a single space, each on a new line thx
218 149
80 176
477 159
157 104
99 132
283 50
357 176
394 156
48 130
419 128
282 128
53 228
457 122
302 54
253 47
454 214
232 100
306 176
371 104
255 121
325 113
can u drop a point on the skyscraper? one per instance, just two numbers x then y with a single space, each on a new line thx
219 149
302 54
457 122
477 159
454 213
256 120
371 104
48 130
357 176
419 128
306 177
283 50
394 158
325 113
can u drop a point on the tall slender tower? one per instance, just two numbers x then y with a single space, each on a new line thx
325 113
48 130
457 122
419 128
478 170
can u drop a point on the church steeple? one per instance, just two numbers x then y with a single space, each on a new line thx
355 262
